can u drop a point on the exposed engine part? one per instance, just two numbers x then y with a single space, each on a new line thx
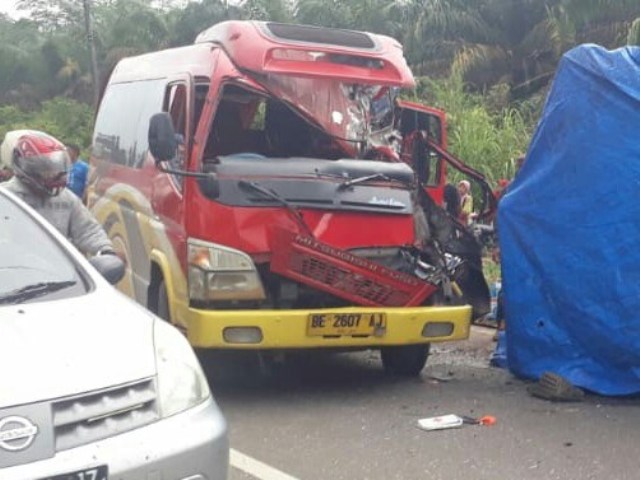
283 292
446 237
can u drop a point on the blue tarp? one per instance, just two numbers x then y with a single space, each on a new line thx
569 229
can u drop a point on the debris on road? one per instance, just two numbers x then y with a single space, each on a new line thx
441 377
486 420
443 422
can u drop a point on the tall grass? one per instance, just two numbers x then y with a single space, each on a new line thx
485 131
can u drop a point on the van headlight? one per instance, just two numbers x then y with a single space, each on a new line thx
181 382
221 273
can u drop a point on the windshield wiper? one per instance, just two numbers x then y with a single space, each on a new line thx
354 181
34 290
255 186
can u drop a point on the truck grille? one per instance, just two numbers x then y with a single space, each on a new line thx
93 416
342 274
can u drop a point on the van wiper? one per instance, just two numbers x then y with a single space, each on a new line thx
354 181
255 186
34 290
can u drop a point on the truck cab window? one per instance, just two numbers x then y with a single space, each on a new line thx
175 103
200 97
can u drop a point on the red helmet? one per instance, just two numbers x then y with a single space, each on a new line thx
41 162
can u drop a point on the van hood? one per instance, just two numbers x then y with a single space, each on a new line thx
66 347
347 185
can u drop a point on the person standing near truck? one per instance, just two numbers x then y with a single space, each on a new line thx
77 179
40 164
466 202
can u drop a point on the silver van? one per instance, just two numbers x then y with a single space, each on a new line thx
92 386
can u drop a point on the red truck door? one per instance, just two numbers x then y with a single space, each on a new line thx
168 190
417 123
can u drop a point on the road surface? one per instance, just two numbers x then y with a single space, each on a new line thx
341 417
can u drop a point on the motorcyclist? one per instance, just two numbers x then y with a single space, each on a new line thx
40 164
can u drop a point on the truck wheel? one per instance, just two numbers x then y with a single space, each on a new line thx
407 361
162 306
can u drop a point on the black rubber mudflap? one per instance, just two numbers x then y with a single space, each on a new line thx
475 291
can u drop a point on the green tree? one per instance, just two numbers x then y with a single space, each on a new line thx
185 24
438 29
131 24
379 16
14 67
606 22
328 13
65 119
633 37
52 15
272 10
515 42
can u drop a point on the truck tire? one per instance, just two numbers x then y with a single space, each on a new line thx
162 305
406 361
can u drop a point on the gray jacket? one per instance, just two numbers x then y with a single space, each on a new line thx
67 213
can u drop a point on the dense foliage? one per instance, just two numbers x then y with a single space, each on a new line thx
487 62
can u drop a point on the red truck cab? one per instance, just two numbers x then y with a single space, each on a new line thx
234 174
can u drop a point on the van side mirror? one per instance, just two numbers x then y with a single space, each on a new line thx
209 186
111 267
162 137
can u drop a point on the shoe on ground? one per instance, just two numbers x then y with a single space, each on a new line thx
555 388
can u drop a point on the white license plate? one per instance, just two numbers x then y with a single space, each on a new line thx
355 323
100 472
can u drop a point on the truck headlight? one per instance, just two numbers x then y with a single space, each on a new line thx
181 382
221 273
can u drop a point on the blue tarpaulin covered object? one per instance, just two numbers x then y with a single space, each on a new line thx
570 229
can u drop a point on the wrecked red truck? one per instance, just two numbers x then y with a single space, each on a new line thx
270 192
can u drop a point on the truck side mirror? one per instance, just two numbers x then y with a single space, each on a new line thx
162 137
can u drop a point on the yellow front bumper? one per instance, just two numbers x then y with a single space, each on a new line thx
288 328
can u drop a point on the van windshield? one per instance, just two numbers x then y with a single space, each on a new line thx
33 267
317 118
342 110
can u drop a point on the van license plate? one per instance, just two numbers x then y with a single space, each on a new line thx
96 473
336 324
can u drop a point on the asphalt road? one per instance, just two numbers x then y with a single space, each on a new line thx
342 417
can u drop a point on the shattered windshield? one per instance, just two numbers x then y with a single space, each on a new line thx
342 110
